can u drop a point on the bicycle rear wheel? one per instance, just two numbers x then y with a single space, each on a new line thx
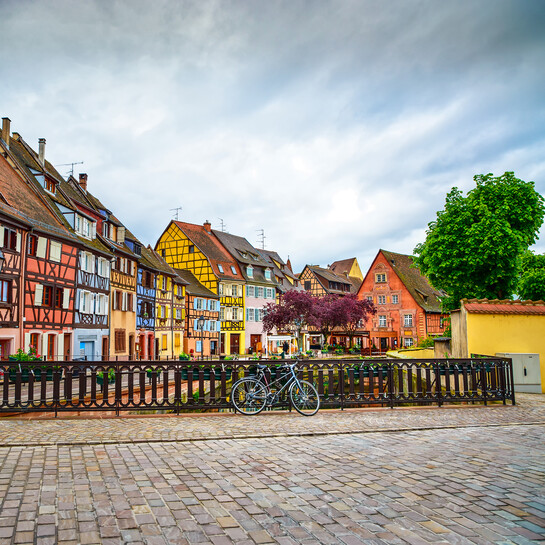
304 397
249 396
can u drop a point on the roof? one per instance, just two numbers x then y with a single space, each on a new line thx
494 306
243 252
22 203
415 282
330 276
343 268
193 286
212 248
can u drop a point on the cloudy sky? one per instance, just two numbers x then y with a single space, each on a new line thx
337 127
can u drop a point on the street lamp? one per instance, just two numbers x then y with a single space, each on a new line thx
200 325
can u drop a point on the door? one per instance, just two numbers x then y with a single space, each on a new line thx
213 348
87 349
67 345
51 347
150 348
105 348
131 347
222 343
235 343
383 343
254 341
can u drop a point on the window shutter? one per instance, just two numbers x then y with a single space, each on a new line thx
218 326
1 235
40 250
38 294
66 298
18 243
195 326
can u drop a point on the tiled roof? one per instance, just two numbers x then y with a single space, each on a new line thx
193 286
486 306
417 284
246 254
343 268
212 248
326 275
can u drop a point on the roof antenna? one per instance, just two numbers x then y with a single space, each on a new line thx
70 165
262 237
177 210
223 226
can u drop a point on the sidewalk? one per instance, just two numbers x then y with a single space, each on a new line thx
459 476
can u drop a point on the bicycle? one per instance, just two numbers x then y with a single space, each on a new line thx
250 395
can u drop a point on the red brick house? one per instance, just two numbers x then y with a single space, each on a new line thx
408 307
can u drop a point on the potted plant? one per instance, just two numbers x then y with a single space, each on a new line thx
20 356
109 375
184 356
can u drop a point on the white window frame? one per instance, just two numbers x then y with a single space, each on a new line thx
408 320
382 299
380 278
382 320
408 341
395 299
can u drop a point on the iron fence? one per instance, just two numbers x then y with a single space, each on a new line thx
180 386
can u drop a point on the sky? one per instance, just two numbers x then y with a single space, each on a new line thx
336 127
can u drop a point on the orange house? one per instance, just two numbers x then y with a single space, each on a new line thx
408 307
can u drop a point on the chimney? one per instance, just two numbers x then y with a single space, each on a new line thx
41 152
207 226
83 181
5 130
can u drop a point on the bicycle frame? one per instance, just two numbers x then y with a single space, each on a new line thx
262 377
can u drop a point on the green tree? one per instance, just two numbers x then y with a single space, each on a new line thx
475 246
532 278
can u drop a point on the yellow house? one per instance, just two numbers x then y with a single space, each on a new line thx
484 327
196 249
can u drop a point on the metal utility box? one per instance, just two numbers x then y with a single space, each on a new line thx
526 371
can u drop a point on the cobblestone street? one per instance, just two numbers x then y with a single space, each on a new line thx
403 476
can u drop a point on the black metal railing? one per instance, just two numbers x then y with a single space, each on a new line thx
180 386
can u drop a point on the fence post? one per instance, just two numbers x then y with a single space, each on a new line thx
512 380
391 384
438 390
341 384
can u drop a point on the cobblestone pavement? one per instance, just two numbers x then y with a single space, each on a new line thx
19 431
478 477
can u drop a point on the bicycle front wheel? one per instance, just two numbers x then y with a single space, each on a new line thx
249 396
304 397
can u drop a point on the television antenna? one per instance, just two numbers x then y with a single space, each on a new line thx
223 226
262 237
71 165
177 210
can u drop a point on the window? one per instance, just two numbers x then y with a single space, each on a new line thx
260 315
191 249
267 274
220 289
163 253
382 299
199 304
220 268
260 292
234 290
235 313
408 320
212 325
47 298
269 293
5 291
162 312
250 291
120 340
51 347
59 298
250 271
369 298
10 239
49 186
307 285
233 270
395 299
382 320
34 341
32 244
380 277
408 341
222 313
178 313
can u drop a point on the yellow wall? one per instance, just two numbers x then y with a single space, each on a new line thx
492 333
412 353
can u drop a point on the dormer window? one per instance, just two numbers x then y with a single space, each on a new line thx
233 270
220 268
267 274
250 271
138 249
50 186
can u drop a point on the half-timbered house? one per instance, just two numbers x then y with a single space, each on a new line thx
195 248
320 281
408 307
202 307
260 287
68 202
283 273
